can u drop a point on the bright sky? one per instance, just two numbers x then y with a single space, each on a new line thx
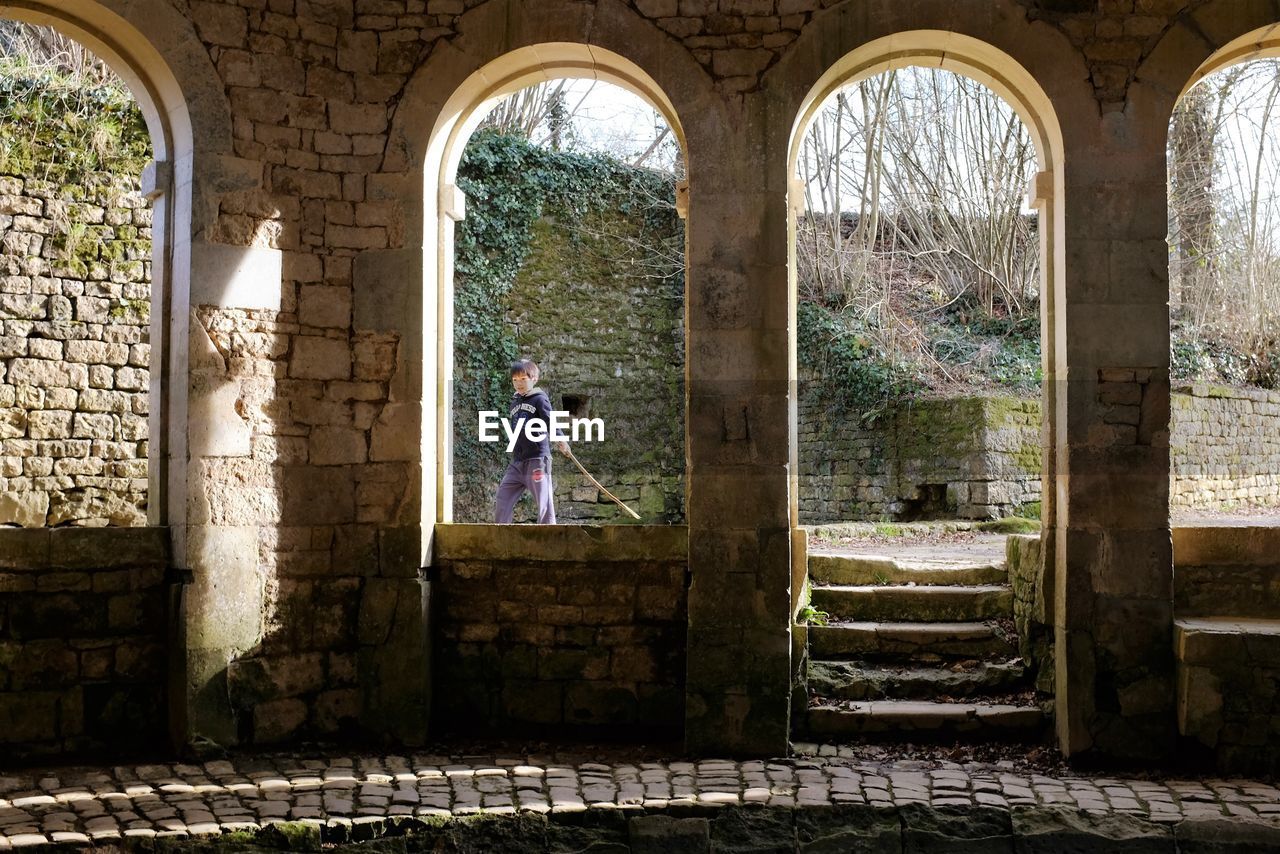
609 119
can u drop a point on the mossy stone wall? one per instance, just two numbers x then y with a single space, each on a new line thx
75 289
1224 446
608 333
960 457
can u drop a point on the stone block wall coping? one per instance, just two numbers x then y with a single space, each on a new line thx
575 543
1213 641
1209 390
39 549
1226 546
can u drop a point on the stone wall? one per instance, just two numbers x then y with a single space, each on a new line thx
980 457
1226 592
83 641
1224 446
1032 606
75 288
621 361
321 495
972 458
554 630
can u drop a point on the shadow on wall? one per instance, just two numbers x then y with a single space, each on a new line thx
298 483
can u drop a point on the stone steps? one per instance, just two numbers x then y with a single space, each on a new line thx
881 570
919 649
847 680
928 642
922 721
915 604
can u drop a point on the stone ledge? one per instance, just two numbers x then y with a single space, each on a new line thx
1208 390
1226 546
1215 640
704 828
39 549
571 543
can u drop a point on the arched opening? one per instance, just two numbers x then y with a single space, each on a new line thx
614 663
166 184
1224 277
462 115
918 339
119 695
1223 160
571 254
75 250
841 592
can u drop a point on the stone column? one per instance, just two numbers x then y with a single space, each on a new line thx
392 298
738 512
1115 674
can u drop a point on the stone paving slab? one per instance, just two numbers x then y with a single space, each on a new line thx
276 800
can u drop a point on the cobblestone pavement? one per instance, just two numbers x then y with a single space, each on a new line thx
338 794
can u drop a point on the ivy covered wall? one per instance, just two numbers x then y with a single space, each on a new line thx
577 263
75 287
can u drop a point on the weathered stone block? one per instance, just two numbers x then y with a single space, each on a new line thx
337 446
278 720
1044 829
660 834
29 717
320 358
27 509
848 828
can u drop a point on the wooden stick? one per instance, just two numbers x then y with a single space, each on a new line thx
597 484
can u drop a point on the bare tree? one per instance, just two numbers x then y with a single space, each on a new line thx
565 115
914 183
44 48
1224 161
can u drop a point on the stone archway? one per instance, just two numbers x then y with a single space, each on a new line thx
131 56
1113 684
1001 73
461 115
443 103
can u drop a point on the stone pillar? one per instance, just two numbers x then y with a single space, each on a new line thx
392 297
1114 620
738 687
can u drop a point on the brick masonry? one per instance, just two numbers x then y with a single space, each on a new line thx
542 630
83 640
75 288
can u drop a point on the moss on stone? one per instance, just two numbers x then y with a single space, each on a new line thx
1009 525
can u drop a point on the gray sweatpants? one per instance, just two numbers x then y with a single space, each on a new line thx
533 475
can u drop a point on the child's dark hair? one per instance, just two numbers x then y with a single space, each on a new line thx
527 367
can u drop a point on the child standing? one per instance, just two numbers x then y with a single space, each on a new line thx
530 466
